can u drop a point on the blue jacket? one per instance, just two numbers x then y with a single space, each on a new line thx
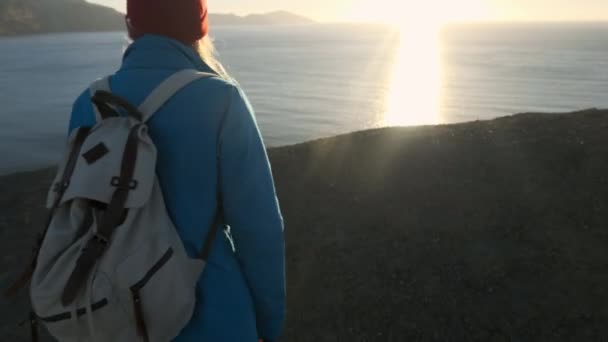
209 128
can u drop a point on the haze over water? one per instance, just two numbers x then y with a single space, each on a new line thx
316 81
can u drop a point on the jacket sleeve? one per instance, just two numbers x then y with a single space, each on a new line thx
252 211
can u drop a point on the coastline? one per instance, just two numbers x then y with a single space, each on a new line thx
481 231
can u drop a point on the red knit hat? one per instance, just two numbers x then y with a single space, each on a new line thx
183 20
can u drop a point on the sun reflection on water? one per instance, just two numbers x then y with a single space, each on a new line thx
414 94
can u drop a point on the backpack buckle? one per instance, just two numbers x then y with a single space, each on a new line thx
100 239
61 186
122 184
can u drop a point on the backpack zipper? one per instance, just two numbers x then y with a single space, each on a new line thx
138 309
157 266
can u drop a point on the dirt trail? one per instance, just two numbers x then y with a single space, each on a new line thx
485 231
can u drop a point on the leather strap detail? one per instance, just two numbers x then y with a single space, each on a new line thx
101 84
110 104
79 313
34 327
96 153
140 321
112 217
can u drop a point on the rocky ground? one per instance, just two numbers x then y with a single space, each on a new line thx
484 231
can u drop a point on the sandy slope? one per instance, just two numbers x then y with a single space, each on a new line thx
485 231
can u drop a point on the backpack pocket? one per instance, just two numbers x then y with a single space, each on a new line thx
158 290
90 316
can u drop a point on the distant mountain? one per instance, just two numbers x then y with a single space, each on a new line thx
46 16
272 18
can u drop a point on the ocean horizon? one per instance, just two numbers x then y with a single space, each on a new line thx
314 81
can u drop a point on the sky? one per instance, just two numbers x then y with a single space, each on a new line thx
403 10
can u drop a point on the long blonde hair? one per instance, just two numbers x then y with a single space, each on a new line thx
207 52
206 49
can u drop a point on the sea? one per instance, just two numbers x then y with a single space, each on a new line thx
314 81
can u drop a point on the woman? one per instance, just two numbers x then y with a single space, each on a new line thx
206 129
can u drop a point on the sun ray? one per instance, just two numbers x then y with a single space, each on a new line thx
414 96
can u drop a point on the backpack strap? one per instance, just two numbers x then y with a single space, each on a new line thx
96 246
157 98
167 89
216 226
102 84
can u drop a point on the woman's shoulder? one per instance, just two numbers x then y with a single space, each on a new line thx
216 86
82 111
216 91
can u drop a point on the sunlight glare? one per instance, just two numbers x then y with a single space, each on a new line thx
414 94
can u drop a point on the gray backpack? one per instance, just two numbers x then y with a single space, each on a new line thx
111 266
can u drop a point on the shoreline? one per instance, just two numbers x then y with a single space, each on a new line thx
270 149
